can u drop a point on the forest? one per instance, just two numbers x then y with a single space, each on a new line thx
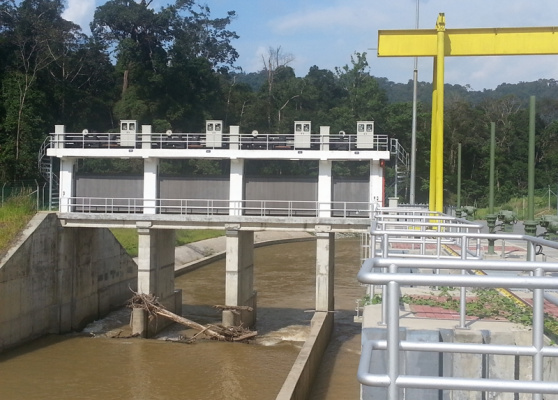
175 67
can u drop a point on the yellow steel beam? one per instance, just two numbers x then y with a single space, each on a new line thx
469 42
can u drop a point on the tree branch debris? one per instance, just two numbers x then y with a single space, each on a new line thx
154 309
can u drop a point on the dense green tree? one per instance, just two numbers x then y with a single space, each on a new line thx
175 67
364 97
167 59
34 35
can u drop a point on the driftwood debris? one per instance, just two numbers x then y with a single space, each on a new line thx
234 309
218 332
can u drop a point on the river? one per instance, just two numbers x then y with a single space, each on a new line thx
90 365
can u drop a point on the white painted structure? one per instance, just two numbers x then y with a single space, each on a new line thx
147 215
214 144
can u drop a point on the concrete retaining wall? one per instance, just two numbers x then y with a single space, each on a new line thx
56 280
299 381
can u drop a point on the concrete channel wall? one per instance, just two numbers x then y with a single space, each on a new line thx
299 381
56 280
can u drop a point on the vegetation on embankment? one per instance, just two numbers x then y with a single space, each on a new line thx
16 212
545 204
14 216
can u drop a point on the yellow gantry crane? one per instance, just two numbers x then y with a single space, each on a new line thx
441 42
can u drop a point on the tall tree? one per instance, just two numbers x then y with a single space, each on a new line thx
273 61
167 58
34 29
365 99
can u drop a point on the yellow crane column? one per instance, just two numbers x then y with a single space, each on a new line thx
439 133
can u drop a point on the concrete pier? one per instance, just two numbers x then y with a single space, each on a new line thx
156 274
239 290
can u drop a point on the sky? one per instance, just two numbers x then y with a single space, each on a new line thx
327 33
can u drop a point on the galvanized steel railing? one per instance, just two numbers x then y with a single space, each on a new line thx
384 269
261 208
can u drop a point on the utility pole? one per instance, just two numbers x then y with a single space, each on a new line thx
414 124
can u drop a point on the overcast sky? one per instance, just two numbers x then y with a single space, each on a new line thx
327 32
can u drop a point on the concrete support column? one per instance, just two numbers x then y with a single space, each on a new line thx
324 138
324 189
156 270
234 137
236 186
146 136
155 260
325 268
376 191
150 185
59 131
239 284
67 183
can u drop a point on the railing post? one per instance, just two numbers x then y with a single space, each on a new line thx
538 331
463 290
393 335
384 287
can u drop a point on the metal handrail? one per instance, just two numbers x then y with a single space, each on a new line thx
383 269
201 141
288 208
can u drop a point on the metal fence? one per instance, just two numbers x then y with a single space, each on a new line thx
37 191
427 238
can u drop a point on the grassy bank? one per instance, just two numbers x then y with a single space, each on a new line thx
18 211
14 216
543 205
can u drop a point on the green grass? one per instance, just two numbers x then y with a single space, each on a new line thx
519 206
16 212
128 238
14 216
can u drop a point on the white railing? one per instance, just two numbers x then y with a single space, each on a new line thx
453 270
260 208
228 141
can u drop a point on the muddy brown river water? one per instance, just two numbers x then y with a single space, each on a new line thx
92 366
